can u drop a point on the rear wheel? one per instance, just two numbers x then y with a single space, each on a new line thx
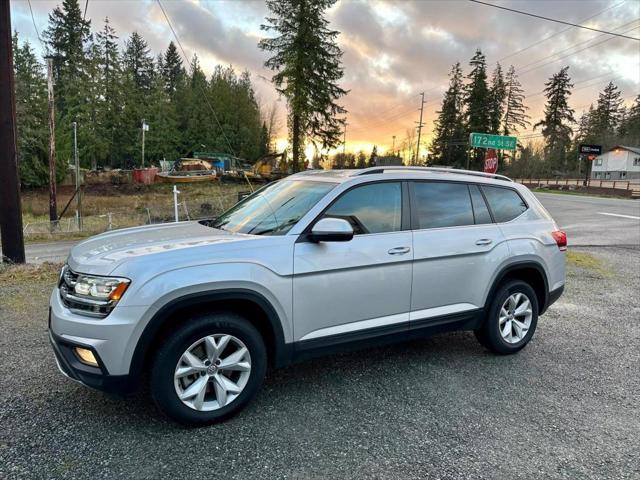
209 370
511 320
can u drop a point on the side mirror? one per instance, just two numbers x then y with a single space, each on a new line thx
331 230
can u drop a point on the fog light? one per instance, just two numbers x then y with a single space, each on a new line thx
86 356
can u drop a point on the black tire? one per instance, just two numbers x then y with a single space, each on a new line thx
162 375
489 333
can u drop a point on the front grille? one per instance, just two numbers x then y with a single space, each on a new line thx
80 303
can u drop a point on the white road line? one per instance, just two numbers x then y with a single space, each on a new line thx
619 215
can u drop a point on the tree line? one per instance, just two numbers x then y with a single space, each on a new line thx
109 90
477 103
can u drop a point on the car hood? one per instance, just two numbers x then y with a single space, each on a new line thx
103 253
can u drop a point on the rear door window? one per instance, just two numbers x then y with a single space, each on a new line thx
480 210
441 204
505 203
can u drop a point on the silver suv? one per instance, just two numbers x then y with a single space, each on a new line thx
314 263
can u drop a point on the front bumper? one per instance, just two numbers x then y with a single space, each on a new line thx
112 341
94 377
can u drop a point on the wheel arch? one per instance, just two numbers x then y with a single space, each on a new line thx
530 272
253 305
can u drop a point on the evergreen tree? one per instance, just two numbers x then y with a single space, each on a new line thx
373 156
607 115
629 130
515 114
362 160
448 147
477 104
31 116
172 69
65 38
308 65
497 97
558 117
110 78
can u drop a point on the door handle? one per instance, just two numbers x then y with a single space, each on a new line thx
484 241
399 251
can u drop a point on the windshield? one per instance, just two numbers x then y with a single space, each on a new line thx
273 209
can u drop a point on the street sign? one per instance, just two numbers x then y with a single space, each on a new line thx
491 161
486 140
597 149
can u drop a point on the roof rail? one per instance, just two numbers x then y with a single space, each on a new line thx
373 170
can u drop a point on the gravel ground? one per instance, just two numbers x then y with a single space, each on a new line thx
567 406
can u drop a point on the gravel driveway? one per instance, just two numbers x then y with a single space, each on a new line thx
567 406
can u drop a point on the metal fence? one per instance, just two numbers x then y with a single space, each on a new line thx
193 209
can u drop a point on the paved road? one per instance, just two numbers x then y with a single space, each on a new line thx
587 221
595 221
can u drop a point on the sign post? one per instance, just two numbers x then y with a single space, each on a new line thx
588 153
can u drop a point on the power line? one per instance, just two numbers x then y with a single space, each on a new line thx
554 20
204 94
33 20
557 33
524 67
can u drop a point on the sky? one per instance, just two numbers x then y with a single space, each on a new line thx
394 49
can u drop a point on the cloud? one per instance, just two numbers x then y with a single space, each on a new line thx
395 49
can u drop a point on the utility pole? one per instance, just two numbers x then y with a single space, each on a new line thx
10 212
344 140
53 209
420 125
78 189
393 148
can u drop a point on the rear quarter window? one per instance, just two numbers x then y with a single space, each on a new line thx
505 203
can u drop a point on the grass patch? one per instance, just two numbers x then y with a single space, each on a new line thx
589 262
28 275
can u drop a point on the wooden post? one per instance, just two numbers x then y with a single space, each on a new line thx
53 213
10 209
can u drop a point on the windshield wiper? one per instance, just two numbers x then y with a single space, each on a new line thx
274 229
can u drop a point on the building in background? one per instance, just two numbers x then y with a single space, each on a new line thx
618 163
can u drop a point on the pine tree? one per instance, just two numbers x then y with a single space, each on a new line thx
629 130
373 156
172 69
477 104
308 65
66 37
515 114
558 117
31 116
607 115
110 76
448 147
497 100
362 160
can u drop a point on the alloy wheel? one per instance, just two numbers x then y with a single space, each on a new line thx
212 372
515 318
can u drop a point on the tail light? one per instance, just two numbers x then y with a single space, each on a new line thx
561 239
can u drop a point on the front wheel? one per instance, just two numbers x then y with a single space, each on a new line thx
209 369
511 319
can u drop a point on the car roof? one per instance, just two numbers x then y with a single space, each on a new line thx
401 172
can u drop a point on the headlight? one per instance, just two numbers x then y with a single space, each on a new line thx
102 288
91 295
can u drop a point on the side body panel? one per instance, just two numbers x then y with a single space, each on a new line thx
452 270
340 283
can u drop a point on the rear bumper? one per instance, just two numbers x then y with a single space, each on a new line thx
553 296
94 377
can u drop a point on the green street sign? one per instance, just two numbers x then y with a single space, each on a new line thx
486 140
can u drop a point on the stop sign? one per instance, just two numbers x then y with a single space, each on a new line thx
491 161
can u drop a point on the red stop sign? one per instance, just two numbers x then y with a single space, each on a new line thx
491 161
